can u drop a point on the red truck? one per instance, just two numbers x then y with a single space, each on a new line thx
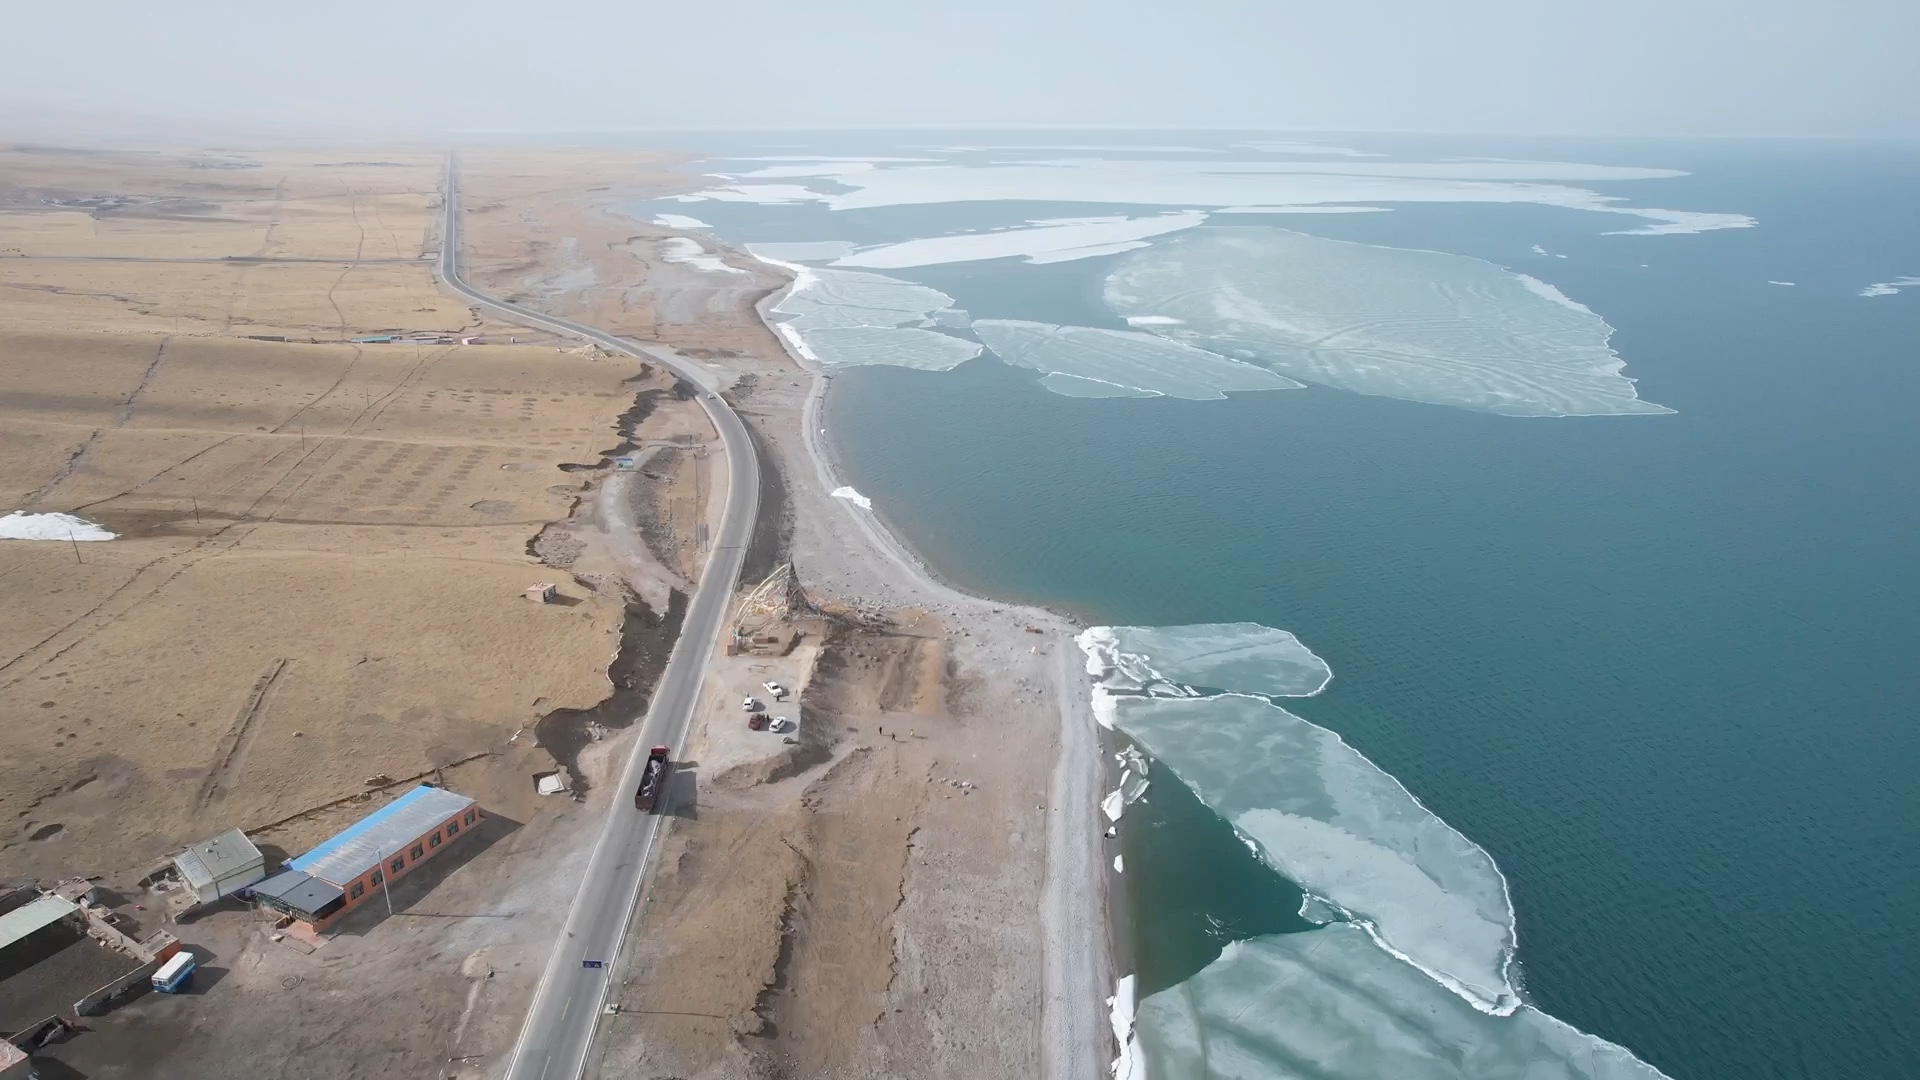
652 780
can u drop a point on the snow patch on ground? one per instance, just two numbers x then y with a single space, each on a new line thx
853 497
21 525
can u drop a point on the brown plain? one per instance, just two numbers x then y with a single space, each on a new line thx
322 549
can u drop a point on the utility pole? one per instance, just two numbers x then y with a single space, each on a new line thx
76 546
386 883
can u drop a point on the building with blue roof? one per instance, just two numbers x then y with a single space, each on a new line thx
353 865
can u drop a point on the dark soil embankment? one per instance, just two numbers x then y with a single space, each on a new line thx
644 402
646 640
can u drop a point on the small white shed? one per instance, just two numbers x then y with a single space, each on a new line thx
221 866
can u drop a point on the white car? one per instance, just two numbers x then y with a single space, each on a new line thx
775 689
780 724
750 705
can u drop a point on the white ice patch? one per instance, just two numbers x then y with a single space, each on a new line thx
1771 282
800 250
1119 865
853 497
1677 222
687 251
1246 658
1393 322
1538 250
1153 320
845 318
680 221
1123 358
1888 288
21 525
1113 805
1327 1005
1077 239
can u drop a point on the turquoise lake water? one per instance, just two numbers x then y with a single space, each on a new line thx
1662 668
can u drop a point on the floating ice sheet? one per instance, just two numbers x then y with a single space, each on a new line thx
1677 222
1074 239
1074 386
1329 820
1209 182
800 250
1888 288
842 318
687 251
1327 1005
1393 322
21 525
680 221
1123 358
905 346
1246 658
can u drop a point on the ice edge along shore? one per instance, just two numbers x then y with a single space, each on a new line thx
1080 952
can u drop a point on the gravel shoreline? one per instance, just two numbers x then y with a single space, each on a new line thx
1075 909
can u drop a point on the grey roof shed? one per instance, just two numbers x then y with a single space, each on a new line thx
225 864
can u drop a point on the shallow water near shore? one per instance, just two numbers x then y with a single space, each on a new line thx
1657 666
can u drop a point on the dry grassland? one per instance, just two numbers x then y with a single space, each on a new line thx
322 545
283 243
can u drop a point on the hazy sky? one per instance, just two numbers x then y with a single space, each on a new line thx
1838 67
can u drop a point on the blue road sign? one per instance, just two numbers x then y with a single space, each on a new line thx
593 963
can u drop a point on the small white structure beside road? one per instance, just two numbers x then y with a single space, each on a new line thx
220 867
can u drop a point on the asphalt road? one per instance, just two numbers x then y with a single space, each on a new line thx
567 1005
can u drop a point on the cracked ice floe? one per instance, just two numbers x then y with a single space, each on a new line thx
1888 288
1393 322
21 525
1120 1014
1131 362
1045 243
688 252
845 318
1246 658
1242 184
1351 1012
1329 820
1307 804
